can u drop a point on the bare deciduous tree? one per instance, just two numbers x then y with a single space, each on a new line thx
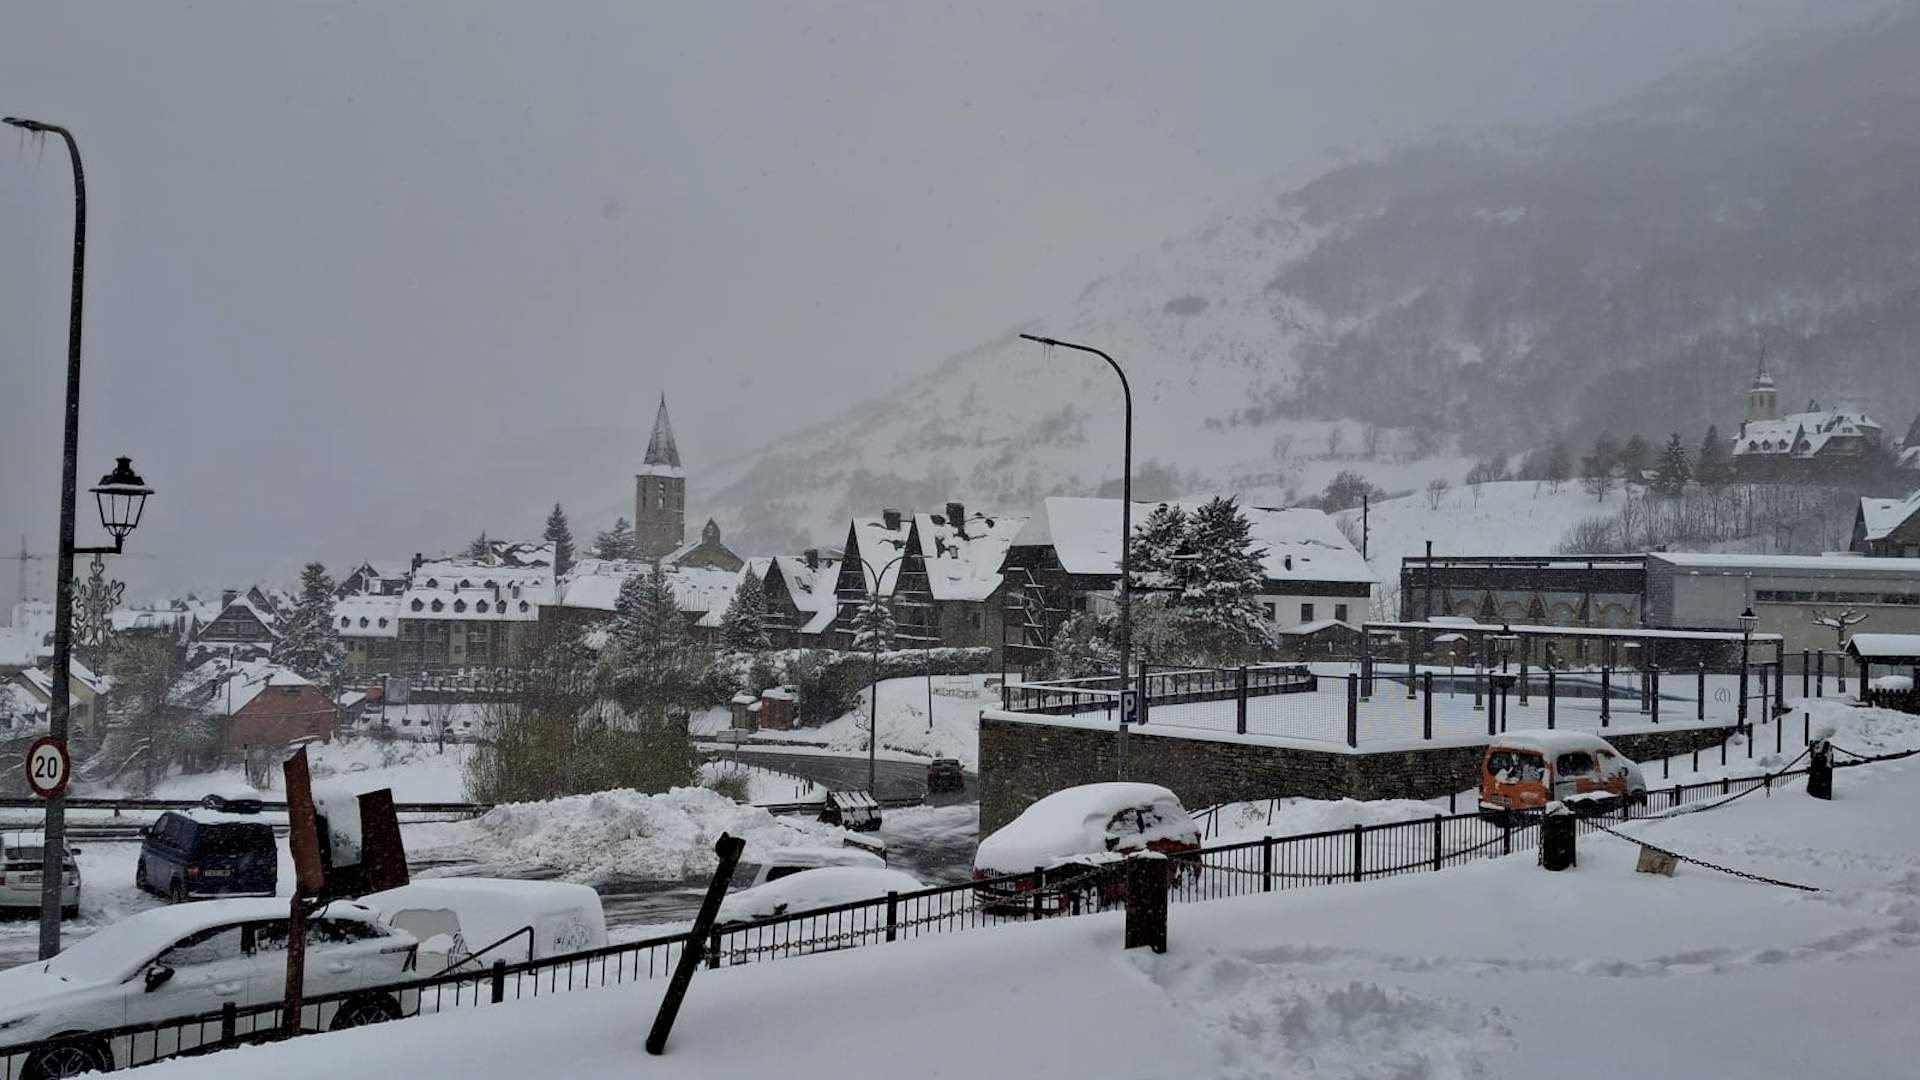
1437 489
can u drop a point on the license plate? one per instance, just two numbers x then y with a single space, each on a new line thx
219 873
30 879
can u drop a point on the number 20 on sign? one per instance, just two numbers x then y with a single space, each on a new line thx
49 767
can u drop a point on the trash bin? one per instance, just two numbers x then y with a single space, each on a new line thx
1820 771
1557 829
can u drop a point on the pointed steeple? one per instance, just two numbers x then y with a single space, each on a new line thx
661 449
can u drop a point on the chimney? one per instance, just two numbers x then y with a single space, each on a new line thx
1289 562
813 558
418 559
957 517
891 517
227 596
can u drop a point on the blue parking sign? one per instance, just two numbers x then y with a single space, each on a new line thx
1129 706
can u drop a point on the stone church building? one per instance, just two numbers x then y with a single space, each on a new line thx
660 508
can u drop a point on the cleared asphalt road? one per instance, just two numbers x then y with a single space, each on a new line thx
894 779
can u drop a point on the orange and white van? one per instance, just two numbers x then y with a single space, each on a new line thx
1523 771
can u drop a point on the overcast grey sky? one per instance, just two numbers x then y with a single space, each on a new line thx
364 279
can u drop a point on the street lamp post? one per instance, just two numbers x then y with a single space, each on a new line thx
873 677
1126 531
121 497
1747 621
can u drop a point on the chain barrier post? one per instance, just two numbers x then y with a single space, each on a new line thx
1426 709
1820 771
1358 849
1266 864
1557 844
1146 878
1437 855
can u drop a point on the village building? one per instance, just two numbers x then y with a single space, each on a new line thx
1544 590
1066 559
801 604
1788 593
586 596
261 704
1770 446
244 628
874 549
660 508
86 693
463 613
950 590
1889 528
369 629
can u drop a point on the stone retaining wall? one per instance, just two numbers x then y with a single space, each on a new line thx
1022 760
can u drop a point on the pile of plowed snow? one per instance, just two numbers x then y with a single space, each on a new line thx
628 835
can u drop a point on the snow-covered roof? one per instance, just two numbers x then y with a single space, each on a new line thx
964 559
1714 560
224 689
1884 646
595 584
879 545
1802 434
365 615
1299 544
1551 743
1909 458
40 684
1881 516
489 909
1073 822
1316 626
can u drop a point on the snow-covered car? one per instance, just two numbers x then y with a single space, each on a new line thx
189 959
472 922
784 862
945 774
1523 771
824 886
20 874
1070 834
191 854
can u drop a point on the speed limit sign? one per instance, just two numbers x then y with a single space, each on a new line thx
49 767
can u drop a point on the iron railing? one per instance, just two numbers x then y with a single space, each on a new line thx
1328 858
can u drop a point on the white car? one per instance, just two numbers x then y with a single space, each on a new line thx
824 886
787 861
455 918
180 961
20 873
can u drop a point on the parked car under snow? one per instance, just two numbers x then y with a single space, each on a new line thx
1069 834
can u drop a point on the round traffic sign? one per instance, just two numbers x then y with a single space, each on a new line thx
49 766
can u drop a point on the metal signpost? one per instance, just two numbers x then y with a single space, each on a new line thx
1129 716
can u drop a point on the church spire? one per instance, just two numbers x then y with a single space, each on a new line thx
661 449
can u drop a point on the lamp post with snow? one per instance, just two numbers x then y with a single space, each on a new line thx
873 689
1126 528
1747 622
121 497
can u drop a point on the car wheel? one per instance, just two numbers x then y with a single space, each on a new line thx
177 893
75 1058
140 876
358 1012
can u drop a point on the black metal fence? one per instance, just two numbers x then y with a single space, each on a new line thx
1333 857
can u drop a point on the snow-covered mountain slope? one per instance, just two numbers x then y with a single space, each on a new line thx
1615 272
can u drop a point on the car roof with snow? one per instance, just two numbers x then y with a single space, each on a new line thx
800 855
1551 743
1073 822
820 887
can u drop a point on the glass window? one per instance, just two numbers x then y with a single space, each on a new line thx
1340 612
1271 611
1306 612
1578 763
1513 767
211 946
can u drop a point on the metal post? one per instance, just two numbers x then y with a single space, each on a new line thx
499 982
1820 673
1746 642
1240 701
1353 711
1266 862
1806 672
1437 822
1426 709
1653 690
728 849
1359 847
1126 504
1552 697
1701 705
1413 661
1606 691
893 914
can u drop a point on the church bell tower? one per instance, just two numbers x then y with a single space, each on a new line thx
660 493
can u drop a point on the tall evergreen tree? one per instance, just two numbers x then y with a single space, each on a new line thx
1226 573
743 628
309 642
873 626
480 547
1634 459
561 537
1156 543
1674 471
1711 466
615 543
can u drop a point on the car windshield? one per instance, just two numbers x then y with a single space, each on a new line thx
25 854
235 839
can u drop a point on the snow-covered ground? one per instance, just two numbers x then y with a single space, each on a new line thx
904 728
1511 517
764 785
415 771
1494 969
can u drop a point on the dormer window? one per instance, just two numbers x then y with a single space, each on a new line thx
437 605
459 605
344 621
523 605
433 583
363 622
481 607
383 622
417 605
465 584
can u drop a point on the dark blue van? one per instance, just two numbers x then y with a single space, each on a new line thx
196 854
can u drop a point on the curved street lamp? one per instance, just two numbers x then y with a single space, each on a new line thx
873 676
121 497
1748 620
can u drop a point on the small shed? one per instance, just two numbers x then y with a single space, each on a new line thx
777 708
746 710
1888 651
1321 638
